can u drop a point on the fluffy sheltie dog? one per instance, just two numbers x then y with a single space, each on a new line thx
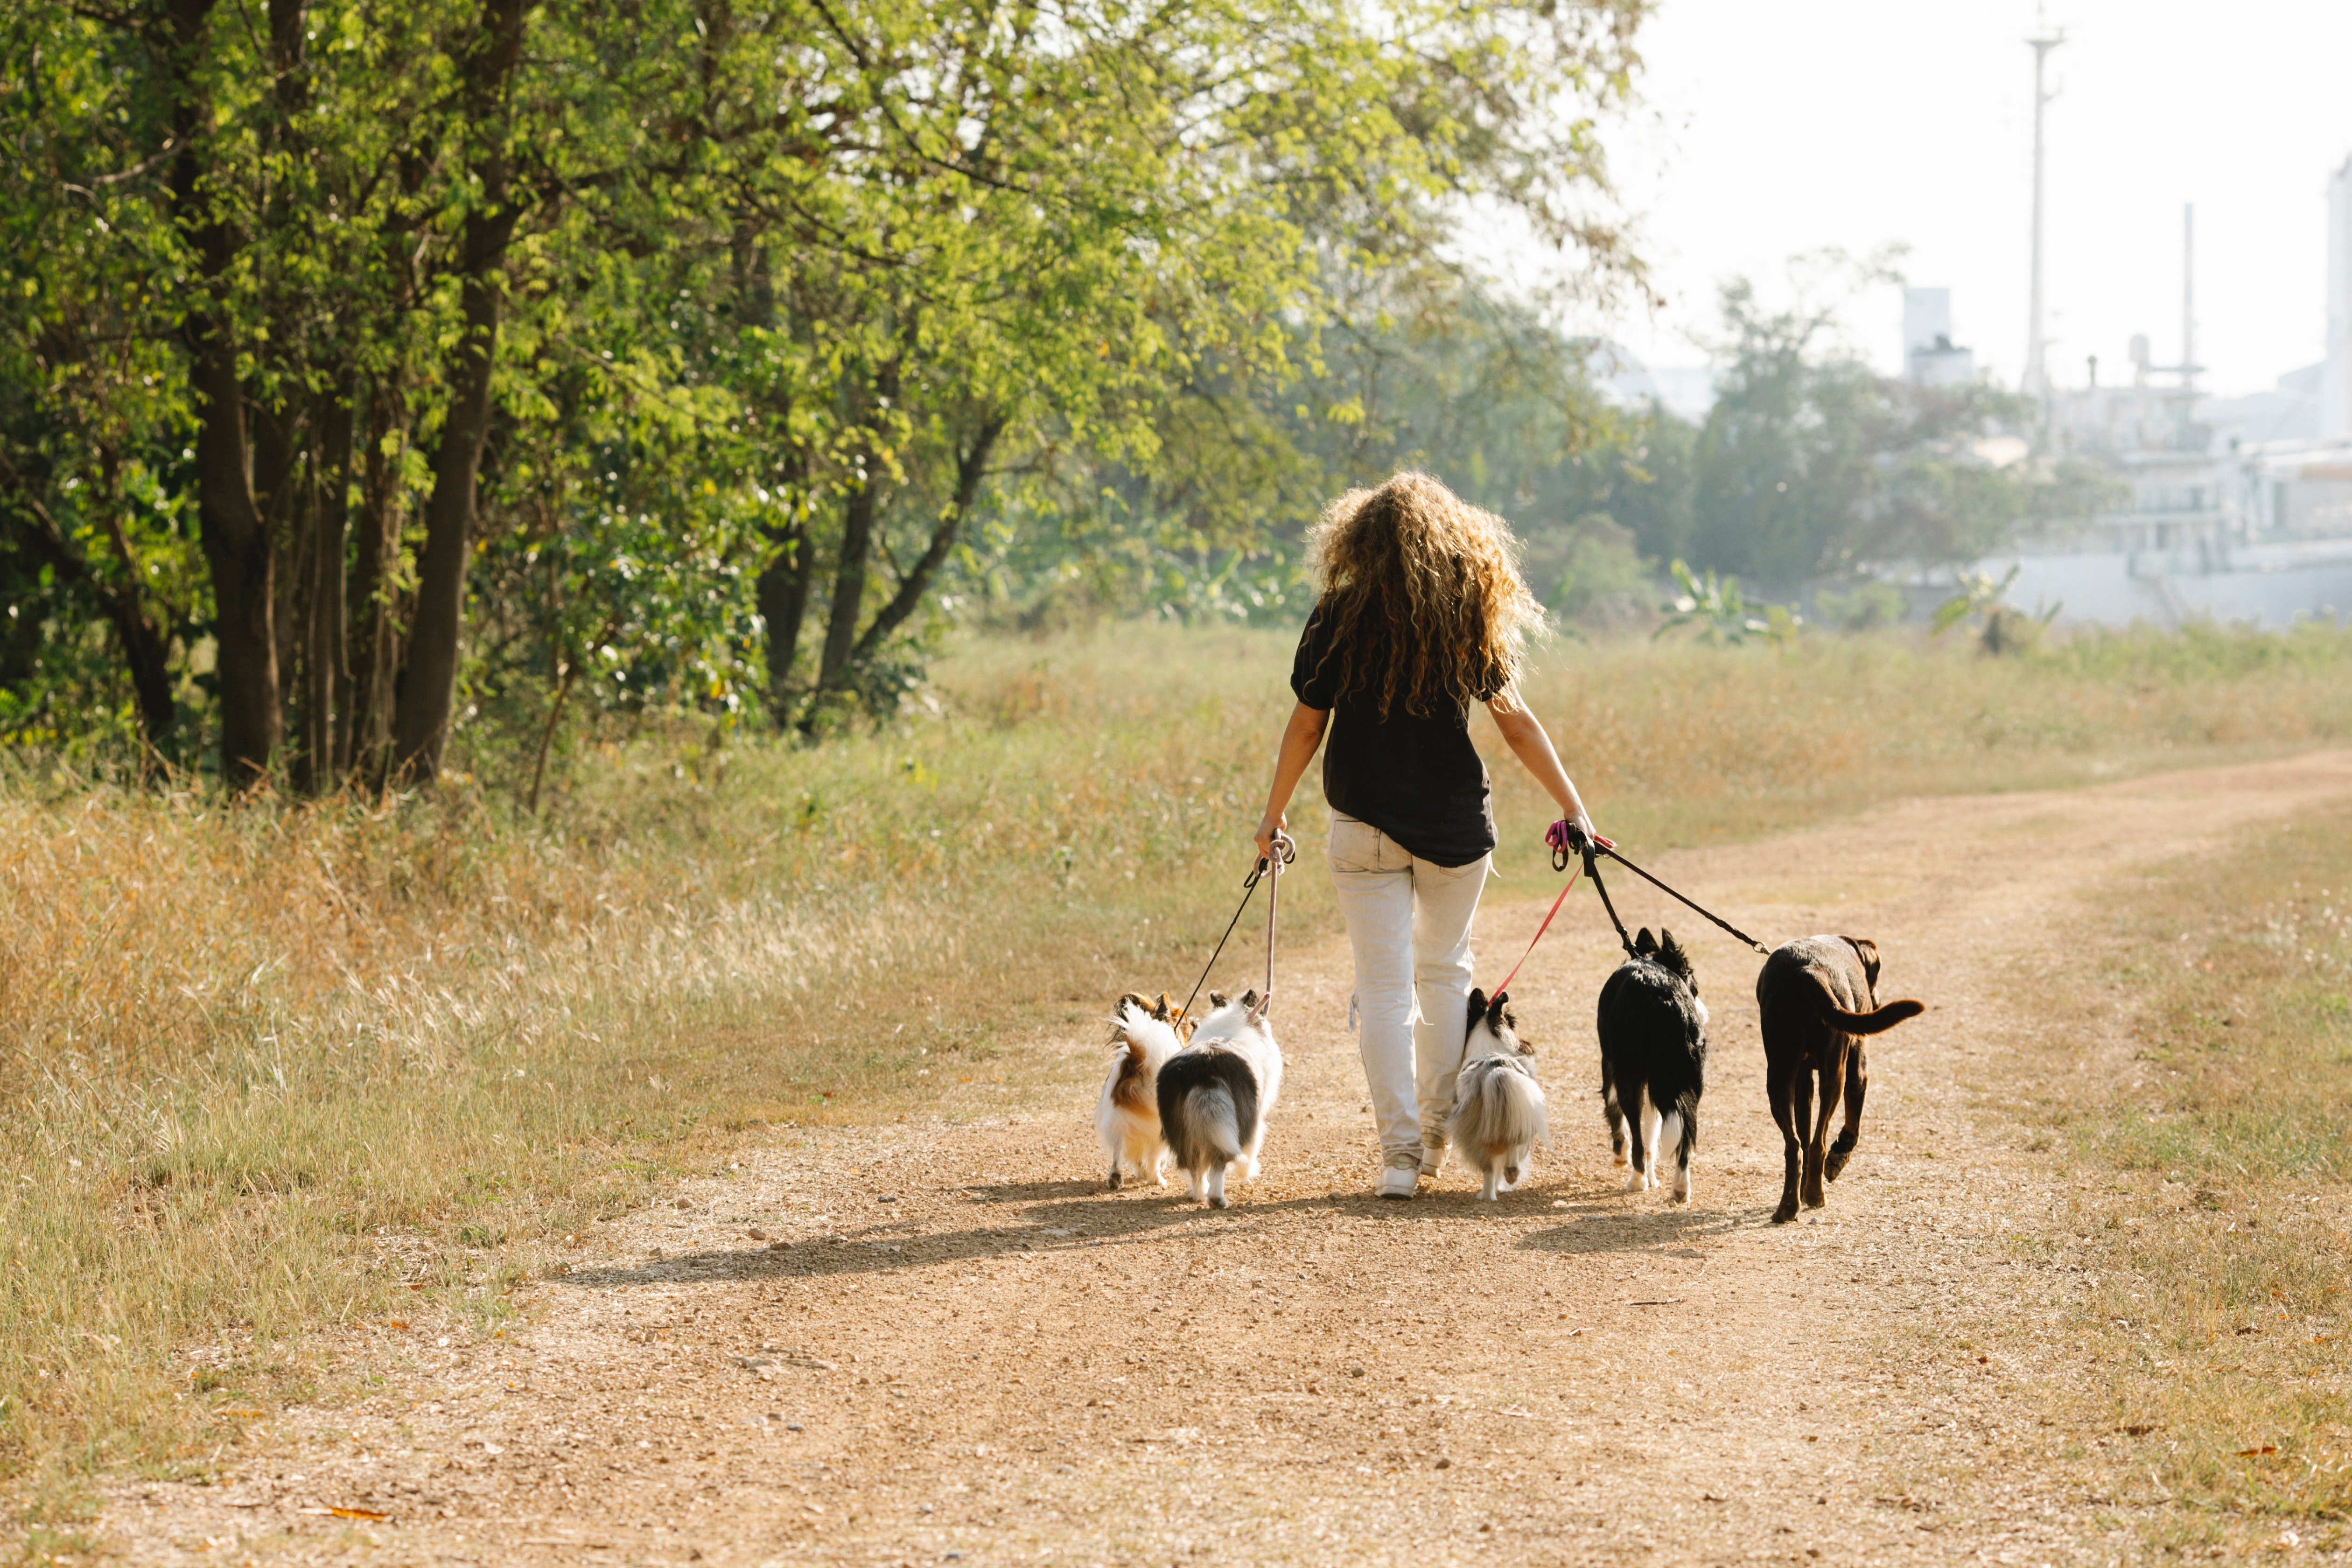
1145 1033
1499 1107
1216 1093
1653 1061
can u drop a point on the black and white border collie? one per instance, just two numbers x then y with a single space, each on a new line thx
1653 1061
1216 1093
1499 1107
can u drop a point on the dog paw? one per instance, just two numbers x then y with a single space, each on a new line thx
1784 1214
1636 1183
1219 1201
1112 1181
1834 1164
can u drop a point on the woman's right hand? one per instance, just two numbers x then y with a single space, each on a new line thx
1268 826
1568 834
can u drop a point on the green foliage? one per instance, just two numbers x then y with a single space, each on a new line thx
2002 627
1598 573
803 326
1722 613
1864 608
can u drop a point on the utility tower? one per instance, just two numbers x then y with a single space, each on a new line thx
2035 383
2188 365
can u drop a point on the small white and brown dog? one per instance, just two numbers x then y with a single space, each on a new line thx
1145 1033
1499 1107
1216 1093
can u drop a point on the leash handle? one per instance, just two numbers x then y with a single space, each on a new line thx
1285 853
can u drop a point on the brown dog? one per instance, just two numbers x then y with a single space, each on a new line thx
1819 996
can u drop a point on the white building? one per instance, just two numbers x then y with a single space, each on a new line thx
1928 356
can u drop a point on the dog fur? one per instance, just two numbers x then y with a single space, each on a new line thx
1127 1117
1652 1030
1499 1107
1216 1093
1818 999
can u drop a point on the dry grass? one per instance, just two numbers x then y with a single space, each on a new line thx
2219 1251
270 1069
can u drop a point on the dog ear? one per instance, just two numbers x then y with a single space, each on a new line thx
1498 1017
1671 953
1249 998
1477 1006
1216 998
1867 950
1159 1008
1643 942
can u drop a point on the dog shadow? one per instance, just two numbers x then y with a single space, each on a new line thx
1598 1225
1062 1217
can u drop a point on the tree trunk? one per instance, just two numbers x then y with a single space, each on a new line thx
783 592
326 678
238 548
849 572
428 691
375 637
971 468
281 493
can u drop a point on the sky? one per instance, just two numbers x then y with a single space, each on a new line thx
1771 128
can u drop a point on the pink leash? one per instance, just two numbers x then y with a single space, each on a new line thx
1559 838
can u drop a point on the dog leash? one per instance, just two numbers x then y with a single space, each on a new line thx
1565 840
1284 852
1514 974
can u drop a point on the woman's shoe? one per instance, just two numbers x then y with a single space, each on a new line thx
1399 1178
1432 1157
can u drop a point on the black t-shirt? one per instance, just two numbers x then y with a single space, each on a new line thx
1416 778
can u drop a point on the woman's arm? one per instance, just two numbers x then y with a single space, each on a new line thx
1524 734
1299 738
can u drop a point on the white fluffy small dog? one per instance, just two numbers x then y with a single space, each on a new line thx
1128 1115
1499 1107
1216 1093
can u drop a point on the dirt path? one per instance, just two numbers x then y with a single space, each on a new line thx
969 1352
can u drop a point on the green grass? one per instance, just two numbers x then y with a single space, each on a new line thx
266 1069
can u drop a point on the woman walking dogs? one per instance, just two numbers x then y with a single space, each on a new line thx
1422 613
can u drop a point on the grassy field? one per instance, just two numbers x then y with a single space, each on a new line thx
2222 1238
271 1068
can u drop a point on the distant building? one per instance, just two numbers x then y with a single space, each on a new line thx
2235 509
1928 356
1688 392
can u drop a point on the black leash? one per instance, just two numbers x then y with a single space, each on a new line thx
1592 852
1286 852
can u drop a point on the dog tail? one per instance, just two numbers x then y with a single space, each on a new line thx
1210 1129
1206 1098
1505 1110
1876 1023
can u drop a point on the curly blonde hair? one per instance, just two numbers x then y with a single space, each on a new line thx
1422 597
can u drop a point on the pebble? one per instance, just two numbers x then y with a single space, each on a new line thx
756 1234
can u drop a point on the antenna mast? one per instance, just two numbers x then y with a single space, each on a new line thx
2188 365
2036 380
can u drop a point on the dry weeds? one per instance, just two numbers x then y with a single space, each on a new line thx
275 1068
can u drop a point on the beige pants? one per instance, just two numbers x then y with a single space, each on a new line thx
1409 922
